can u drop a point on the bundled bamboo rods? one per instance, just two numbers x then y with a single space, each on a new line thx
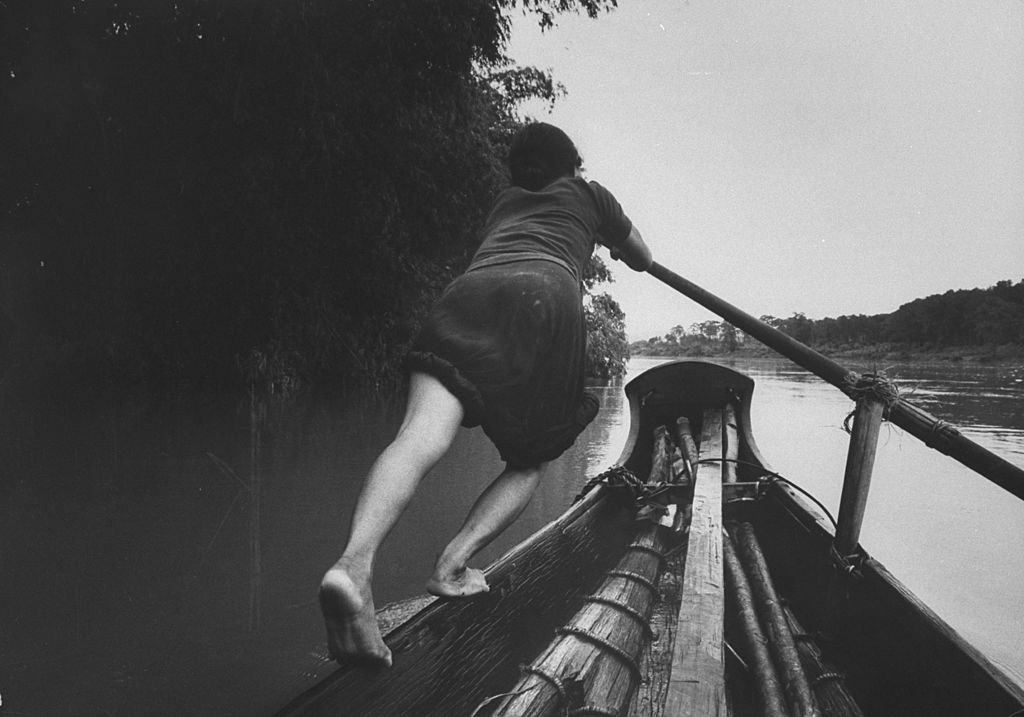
687 446
661 467
833 697
787 659
592 663
656 662
769 691
860 460
913 420
730 435
680 471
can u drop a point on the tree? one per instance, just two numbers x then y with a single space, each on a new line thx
607 348
729 340
798 326
188 182
710 329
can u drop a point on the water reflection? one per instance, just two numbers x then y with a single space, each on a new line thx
128 536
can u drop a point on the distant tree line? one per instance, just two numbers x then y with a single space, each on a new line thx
967 317
204 188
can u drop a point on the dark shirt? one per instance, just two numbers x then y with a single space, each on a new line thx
559 223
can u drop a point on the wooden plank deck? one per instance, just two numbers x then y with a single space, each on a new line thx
697 684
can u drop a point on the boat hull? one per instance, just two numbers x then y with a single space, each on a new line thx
879 646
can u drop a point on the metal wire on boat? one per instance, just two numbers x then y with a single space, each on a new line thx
773 477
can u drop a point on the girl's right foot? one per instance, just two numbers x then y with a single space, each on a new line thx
457 583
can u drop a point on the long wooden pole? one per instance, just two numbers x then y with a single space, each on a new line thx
794 680
769 691
829 686
935 433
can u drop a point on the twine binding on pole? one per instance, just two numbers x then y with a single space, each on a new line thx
602 643
870 387
635 577
939 436
623 608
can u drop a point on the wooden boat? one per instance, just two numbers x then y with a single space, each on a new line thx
688 580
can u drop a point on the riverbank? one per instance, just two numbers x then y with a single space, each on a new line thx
872 356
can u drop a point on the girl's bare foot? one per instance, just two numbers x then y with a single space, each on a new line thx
457 583
347 606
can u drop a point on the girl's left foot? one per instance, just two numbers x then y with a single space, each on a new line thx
347 605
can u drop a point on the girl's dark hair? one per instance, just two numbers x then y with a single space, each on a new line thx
539 154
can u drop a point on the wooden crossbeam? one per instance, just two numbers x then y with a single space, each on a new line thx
697 684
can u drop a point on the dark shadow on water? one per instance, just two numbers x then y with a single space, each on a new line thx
127 535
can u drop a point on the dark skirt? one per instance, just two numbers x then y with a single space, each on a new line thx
509 342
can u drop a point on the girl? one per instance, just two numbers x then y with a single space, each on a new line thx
503 349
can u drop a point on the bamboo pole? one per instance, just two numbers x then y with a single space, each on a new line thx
656 660
769 691
592 663
687 446
730 433
661 469
935 433
787 659
833 697
860 460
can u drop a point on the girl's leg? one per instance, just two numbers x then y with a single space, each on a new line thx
495 509
432 418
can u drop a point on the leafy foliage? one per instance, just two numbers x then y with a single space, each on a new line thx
186 183
607 348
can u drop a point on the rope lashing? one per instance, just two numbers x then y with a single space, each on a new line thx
635 577
646 549
553 680
595 711
602 643
939 436
826 676
618 477
623 608
870 386
621 478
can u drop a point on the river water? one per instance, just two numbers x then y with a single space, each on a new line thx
127 536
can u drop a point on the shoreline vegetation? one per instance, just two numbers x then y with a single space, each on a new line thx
865 357
970 326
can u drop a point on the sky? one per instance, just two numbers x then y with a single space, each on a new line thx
820 157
